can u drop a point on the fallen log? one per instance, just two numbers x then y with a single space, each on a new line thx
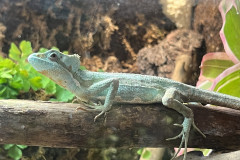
54 124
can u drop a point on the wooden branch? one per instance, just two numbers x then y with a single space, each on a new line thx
61 125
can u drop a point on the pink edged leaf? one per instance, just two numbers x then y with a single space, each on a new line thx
230 31
228 82
212 65
205 84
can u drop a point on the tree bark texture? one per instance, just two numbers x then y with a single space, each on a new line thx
53 124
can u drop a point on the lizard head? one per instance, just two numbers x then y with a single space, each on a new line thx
55 64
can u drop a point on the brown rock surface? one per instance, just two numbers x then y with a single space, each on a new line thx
104 28
180 53
208 22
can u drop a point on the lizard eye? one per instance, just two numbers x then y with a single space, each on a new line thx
53 56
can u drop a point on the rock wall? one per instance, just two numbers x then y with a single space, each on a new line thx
103 27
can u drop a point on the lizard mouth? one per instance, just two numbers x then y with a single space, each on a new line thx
33 57
36 57
39 61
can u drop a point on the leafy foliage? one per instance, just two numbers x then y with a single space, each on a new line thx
16 75
14 151
220 71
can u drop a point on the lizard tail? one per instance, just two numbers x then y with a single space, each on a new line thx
215 98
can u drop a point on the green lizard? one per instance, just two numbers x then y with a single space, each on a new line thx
92 87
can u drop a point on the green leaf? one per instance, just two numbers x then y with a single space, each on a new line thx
55 48
23 77
3 80
26 49
206 152
14 52
45 80
42 50
230 33
15 152
2 90
140 151
65 52
32 72
7 63
82 67
50 87
22 146
7 92
228 81
212 65
63 95
16 82
205 84
212 68
36 83
7 146
100 70
24 73
146 154
6 74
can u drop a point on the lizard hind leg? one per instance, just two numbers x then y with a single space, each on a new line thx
173 99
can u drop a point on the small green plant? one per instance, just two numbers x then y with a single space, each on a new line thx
17 76
220 71
14 151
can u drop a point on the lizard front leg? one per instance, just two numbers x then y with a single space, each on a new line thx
111 85
173 99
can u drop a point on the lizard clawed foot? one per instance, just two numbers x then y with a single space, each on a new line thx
94 107
186 126
100 114
103 110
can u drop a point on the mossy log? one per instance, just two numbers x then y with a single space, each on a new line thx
61 125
